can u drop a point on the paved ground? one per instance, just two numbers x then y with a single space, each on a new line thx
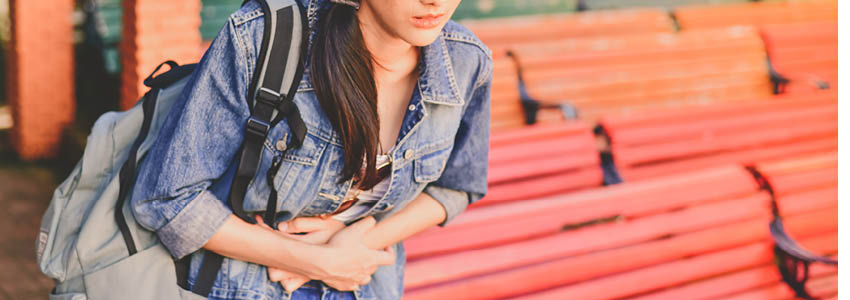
25 191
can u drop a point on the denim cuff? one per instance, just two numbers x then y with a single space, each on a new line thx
454 201
194 225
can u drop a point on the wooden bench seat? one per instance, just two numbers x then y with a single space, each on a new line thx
610 74
721 225
670 141
804 184
526 219
822 285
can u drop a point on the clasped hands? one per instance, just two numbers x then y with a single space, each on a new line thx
347 264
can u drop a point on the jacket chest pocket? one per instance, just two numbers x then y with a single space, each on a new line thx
293 173
429 166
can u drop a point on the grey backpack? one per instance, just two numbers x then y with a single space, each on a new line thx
89 241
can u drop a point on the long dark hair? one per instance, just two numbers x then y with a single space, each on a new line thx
343 79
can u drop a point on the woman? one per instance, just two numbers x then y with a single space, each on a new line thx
395 98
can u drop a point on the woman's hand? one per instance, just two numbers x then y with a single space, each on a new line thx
312 230
349 263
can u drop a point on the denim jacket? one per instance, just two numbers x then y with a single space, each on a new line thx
183 183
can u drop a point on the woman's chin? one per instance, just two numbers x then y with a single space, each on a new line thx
422 38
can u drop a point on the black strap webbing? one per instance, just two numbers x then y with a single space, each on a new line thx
208 273
181 269
278 73
127 175
275 67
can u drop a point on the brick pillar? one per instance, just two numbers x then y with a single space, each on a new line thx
154 31
41 75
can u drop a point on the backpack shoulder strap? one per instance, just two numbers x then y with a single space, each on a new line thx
275 81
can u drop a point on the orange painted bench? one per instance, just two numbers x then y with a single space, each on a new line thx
663 142
541 160
528 163
691 222
618 241
755 13
806 54
608 74
505 109
501 34
800 184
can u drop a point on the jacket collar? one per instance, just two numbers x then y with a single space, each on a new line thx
436 76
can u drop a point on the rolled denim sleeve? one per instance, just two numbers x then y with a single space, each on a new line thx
464 179
179 192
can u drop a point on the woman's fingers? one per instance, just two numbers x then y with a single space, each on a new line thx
261 222
312 224
360 227
276 275
343 286
289 281
316 238
365 280
292 284
385 257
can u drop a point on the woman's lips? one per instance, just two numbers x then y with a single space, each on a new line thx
427 21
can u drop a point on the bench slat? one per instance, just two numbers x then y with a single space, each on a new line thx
541 186
747 156
591 239
678 272
824 285
725 285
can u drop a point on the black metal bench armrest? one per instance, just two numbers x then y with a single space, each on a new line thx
787 244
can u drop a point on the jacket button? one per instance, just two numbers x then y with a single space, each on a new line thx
280 145
411 107
389 207
408 154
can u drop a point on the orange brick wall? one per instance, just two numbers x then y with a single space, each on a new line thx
155 31
41 75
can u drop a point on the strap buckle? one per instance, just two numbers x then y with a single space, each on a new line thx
268 97
257 127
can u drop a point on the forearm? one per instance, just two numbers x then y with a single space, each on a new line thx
422 213
247 242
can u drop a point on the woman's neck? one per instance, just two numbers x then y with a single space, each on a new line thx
394 58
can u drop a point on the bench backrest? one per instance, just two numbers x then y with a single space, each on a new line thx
501 34
804 53
625 73
755 13
609 4
541 160
669 141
